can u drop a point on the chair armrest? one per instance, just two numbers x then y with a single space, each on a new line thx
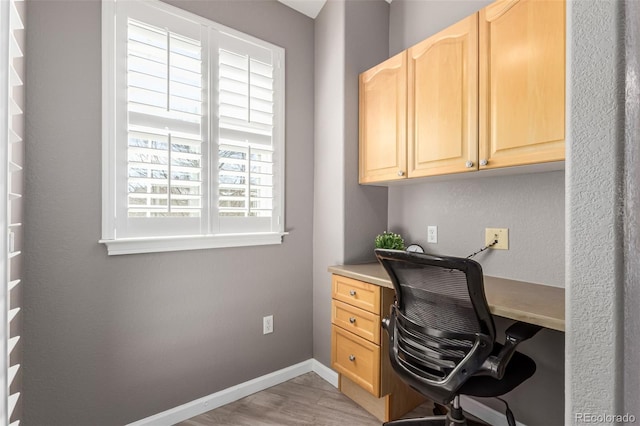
522 331
517 333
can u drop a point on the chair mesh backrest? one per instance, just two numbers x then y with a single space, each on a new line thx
442 328
437 298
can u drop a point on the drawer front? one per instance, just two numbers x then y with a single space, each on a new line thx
356 358
357 293
358 321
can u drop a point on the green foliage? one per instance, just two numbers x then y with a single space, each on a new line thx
389 240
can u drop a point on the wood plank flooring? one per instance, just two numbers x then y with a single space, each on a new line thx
304 400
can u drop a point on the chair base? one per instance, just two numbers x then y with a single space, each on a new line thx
422 421
454 417
427 421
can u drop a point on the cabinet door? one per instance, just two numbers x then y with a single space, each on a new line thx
383 121
443 101
522 82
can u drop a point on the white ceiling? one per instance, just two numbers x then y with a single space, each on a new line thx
311 8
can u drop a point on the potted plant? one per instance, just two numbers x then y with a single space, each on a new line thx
390 240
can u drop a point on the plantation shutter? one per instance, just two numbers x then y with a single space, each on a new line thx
247 107
166 129
193 132
12 125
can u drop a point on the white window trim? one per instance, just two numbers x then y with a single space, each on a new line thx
119 246
190 242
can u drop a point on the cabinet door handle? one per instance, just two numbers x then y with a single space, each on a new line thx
352 292
352 358
484 162
469 164
400 173
352 320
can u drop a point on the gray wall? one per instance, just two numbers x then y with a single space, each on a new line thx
632 211
602 218
531 206
110 340
412 21
350 37
366 39
328 189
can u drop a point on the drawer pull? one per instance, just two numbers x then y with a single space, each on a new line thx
352 358
352 292
352 320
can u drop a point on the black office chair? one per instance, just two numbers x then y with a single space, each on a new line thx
442 335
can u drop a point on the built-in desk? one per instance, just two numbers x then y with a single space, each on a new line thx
361 297
522 301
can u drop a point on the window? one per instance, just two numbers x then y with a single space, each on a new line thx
12 90
193 132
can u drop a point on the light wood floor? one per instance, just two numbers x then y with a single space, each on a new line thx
305 400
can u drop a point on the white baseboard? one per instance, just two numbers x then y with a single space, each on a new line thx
325 372
484 413
234 393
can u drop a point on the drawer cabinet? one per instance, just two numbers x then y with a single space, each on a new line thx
357 321
356 358
357 293
359 350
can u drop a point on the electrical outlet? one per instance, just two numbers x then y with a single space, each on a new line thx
267 324
432 234
500 234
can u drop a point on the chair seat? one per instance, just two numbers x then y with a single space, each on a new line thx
519 369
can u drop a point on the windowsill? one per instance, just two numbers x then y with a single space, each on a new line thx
190 242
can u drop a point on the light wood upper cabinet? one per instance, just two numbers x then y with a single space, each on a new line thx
487 92
383 121
522 82
442 114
